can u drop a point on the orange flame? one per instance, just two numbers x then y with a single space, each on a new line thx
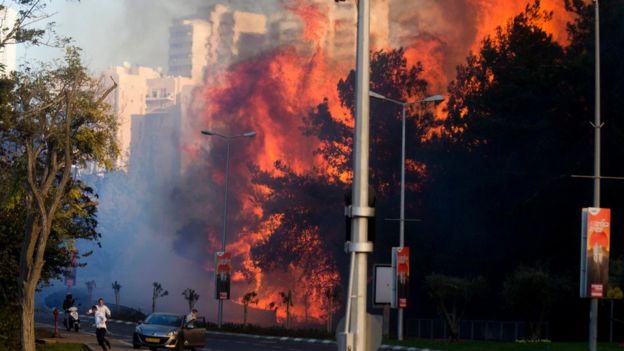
270 94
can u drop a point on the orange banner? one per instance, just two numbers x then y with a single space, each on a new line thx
596 249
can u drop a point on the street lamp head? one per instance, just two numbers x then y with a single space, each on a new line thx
207 132
249 134
433 98
376 95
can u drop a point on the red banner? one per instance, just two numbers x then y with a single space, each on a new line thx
401 263
222 275
70 273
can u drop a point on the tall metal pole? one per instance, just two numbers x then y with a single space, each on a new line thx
225 208
402 215
361 211
593 314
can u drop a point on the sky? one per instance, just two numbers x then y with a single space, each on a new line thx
111 32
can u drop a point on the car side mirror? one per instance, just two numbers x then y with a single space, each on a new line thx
140 322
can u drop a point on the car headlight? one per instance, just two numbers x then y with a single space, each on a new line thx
172 333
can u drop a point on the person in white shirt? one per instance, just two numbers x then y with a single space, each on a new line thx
102 307
191 316
101 314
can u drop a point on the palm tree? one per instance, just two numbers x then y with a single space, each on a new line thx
288 301
90 286
156 293
250 297
191 297
116 288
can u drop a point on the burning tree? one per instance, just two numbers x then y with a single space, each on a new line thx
191 297
305 242
116 288
250 297
157 292
90 286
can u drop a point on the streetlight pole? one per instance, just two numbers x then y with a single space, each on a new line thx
593 314
228 139
360 245
354 337
403 104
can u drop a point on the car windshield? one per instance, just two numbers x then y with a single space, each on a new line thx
163 319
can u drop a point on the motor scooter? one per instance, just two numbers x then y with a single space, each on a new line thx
72 319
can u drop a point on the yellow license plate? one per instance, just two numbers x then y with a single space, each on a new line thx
156 340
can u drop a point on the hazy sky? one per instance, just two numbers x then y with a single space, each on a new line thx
113 31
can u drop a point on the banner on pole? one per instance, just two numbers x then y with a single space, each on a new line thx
70 270
222 275
595 249
400 266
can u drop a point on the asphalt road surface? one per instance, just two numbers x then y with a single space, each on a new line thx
213 342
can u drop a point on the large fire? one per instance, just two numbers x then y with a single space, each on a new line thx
270 94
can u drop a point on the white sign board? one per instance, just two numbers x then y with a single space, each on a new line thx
383 275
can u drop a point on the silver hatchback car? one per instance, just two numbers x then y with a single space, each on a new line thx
170 331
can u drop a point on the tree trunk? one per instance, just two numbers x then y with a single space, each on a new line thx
244 314
153 304
28 316
31 263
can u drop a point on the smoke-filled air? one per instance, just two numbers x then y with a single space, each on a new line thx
279 68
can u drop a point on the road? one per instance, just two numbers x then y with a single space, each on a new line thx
213 342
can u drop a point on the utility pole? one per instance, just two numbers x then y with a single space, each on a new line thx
593 313
354 337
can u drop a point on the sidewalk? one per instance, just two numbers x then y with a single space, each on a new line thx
87 339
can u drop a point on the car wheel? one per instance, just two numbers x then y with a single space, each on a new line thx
180 343
135 342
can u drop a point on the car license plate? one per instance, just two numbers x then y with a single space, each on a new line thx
155 340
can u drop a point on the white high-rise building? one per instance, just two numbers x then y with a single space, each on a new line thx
380 24
128 99
188 51
8 53
342 31
234 36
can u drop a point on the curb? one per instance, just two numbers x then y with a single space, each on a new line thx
48 341
269 337
313 341
61 340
